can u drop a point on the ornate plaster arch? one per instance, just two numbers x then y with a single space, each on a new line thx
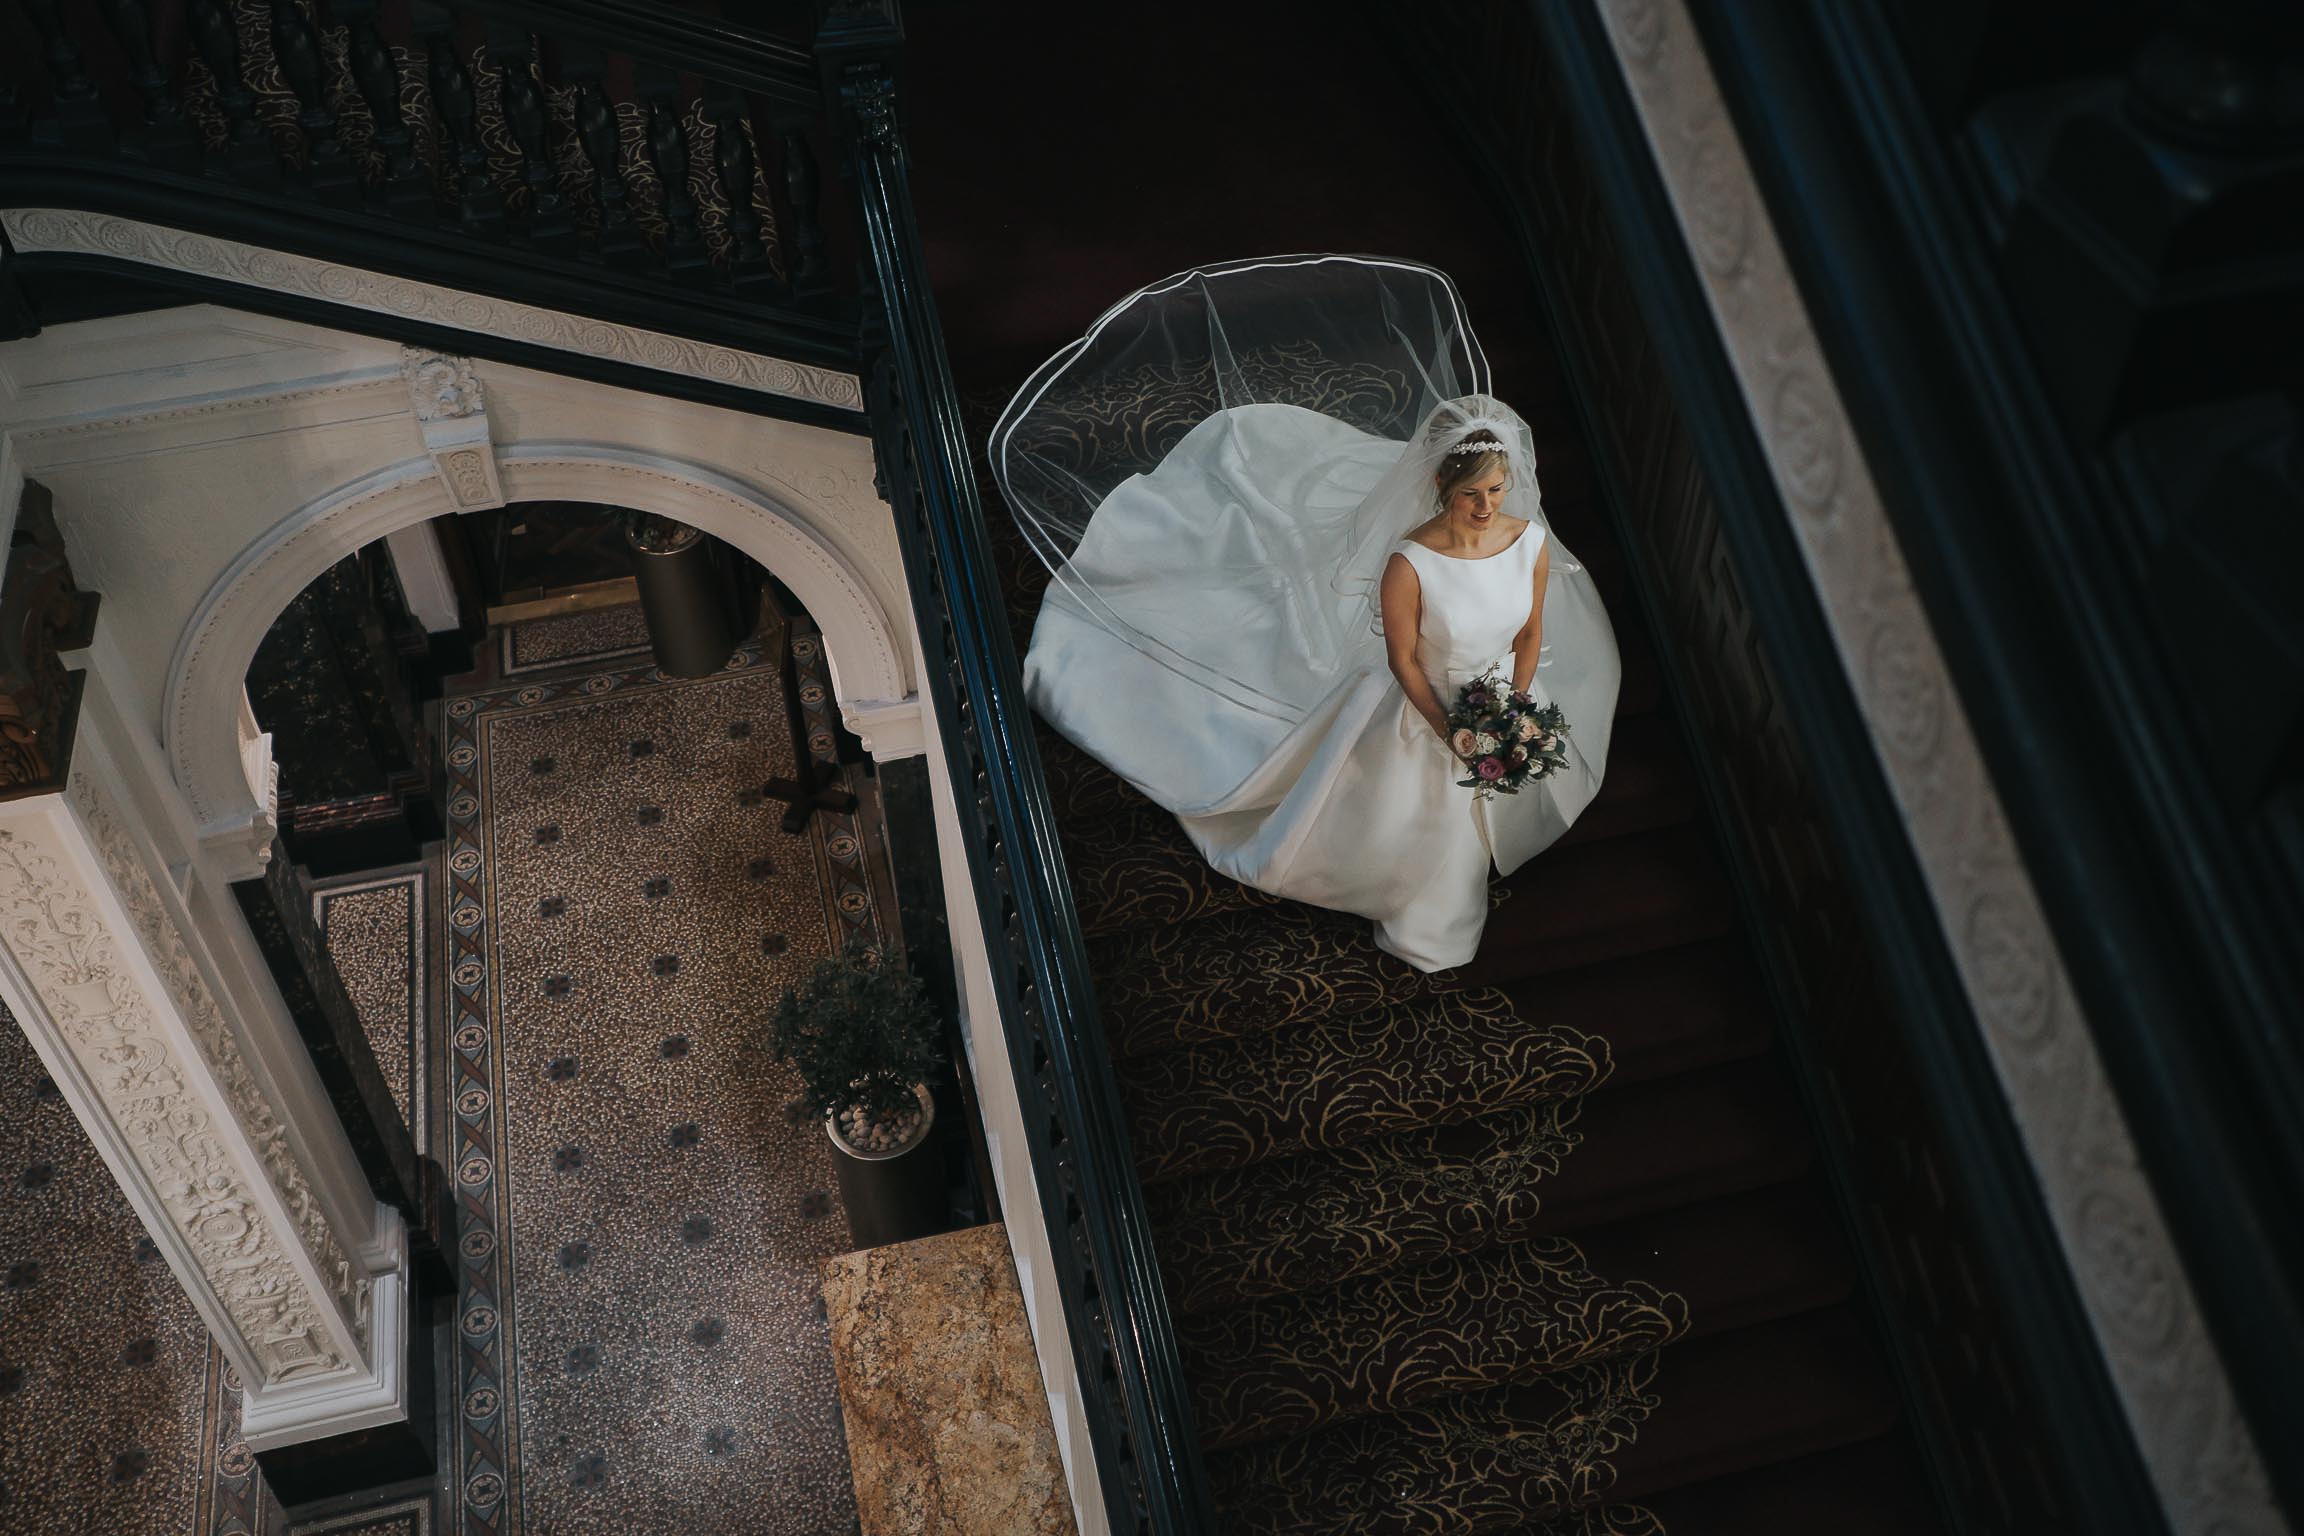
201 711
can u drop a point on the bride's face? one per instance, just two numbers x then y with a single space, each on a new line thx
1474 505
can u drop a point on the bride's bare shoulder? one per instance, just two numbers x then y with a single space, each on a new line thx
1428 532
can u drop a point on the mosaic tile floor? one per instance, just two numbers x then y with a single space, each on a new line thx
410 1516
596 635
118 1416
378 935
639 1338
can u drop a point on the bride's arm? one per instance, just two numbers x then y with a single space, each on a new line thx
1528 646
1403 600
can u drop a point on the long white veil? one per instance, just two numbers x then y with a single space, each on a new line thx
1319 394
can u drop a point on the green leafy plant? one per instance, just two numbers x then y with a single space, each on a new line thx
861 1031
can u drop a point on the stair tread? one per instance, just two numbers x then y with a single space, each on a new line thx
1502 1459
1245 973
1648 784
1477 1320
1875 1486
1453 1057
1551 1165
1582 903
1138 868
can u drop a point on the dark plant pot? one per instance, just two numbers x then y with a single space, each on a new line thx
893 1197
685 597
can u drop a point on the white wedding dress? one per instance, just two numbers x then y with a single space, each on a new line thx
1185 646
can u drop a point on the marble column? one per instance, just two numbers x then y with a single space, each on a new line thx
167 1043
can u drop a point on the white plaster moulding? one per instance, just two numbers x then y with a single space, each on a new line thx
71 231
210 666
292 1413
87 949
201 912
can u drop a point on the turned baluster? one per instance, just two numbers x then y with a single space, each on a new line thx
732 158
551 223
684 252
810 274
407 190
478 202
167 138
296 45
80 119
599 134
247 153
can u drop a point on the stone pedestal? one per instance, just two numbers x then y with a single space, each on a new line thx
948 1427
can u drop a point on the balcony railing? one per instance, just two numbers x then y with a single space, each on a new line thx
638 165
625 161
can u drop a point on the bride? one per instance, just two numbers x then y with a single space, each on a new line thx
1286 523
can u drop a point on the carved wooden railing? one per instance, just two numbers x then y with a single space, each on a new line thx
1108 1283
626 162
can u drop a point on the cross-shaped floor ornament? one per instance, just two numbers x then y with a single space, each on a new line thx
822 791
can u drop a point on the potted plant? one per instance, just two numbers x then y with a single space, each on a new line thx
684 594
864 1038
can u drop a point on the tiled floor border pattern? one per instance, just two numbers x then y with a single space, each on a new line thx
483 1472
237 1500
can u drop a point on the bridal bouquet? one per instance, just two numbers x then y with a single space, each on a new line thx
1506 736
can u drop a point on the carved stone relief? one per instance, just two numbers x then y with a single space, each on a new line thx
168 1076
451 410
440 387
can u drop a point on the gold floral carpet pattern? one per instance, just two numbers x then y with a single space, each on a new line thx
639 1339
1342 1160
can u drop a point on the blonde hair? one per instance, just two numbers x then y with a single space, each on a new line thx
1457 470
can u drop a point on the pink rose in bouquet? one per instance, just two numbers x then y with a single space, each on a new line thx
1505 736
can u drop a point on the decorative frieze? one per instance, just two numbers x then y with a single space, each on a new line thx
114 999
97 234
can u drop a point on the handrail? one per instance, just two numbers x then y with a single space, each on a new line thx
1124 1344
709 45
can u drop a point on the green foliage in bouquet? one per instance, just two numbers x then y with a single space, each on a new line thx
861 1031
1505 737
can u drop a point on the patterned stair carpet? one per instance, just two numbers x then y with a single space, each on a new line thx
1538 1247
639 1342
1535 1246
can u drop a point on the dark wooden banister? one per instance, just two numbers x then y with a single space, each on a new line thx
1132 1384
